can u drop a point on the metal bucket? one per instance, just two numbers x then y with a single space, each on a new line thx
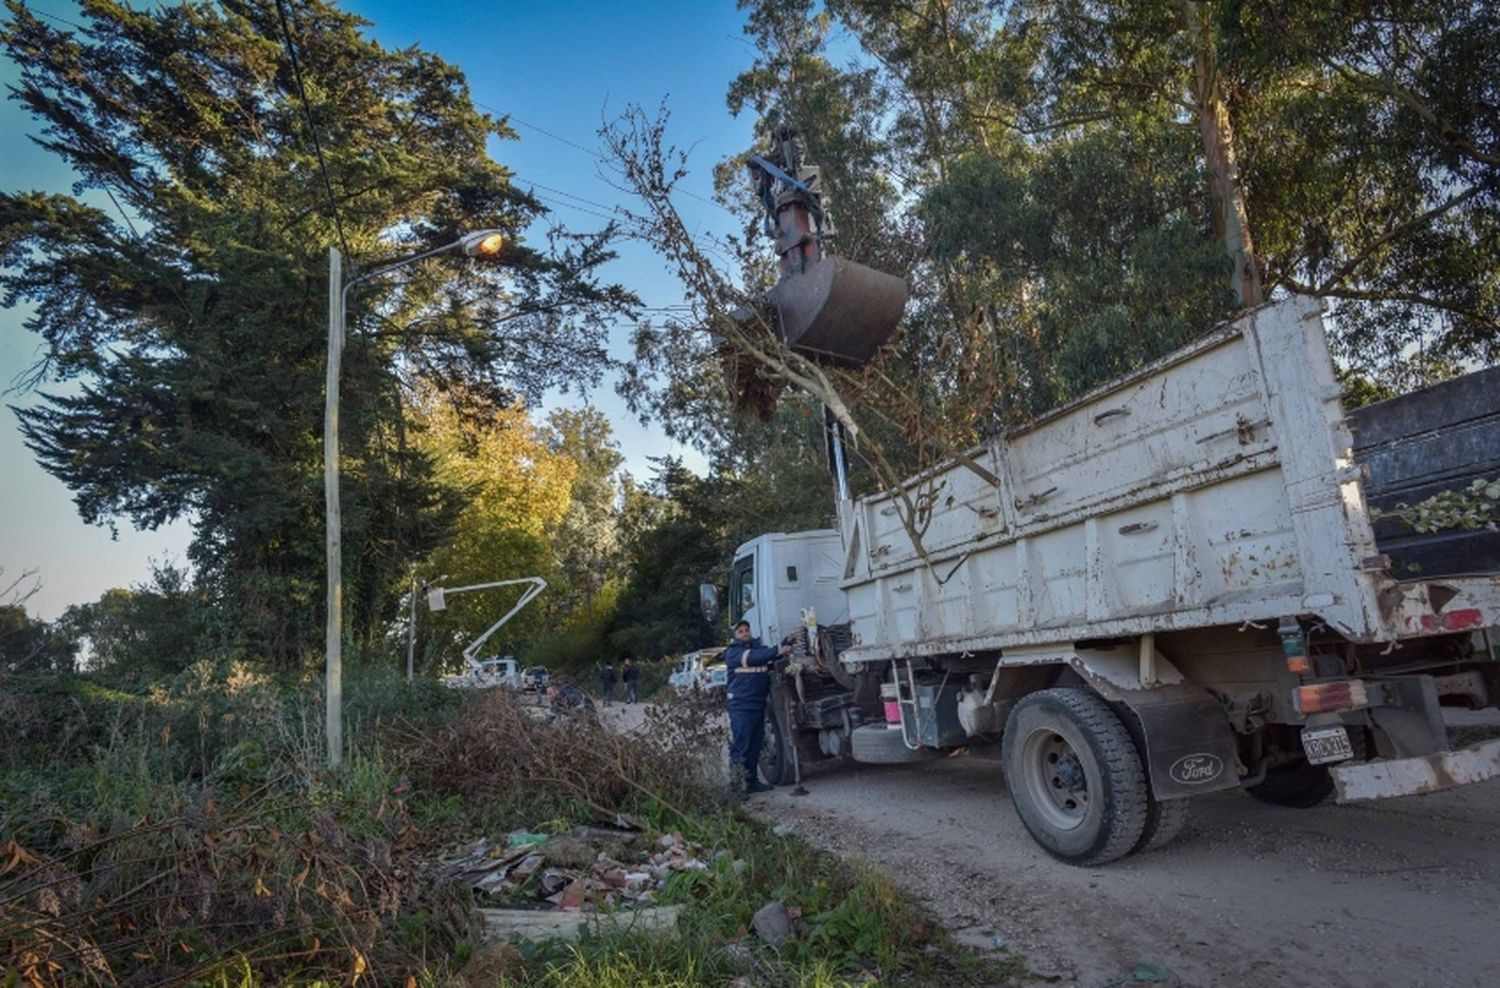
838 311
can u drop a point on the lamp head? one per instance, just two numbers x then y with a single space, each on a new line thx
482 243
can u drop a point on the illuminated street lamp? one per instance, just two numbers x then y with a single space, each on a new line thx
481 243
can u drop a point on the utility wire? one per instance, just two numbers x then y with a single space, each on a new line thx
291 50
574 144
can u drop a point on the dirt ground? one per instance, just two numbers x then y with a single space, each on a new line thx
1402 892
1399 892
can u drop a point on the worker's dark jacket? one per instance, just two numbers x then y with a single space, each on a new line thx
749 673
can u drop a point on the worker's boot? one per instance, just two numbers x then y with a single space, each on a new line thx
755 785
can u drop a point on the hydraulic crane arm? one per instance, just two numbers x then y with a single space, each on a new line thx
436 600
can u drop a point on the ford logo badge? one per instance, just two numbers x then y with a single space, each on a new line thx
1197 769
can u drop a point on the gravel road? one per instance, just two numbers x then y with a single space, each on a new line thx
1401 892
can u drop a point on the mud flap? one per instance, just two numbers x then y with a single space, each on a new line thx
838 311
1189 743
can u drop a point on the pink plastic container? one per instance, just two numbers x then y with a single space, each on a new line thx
892 706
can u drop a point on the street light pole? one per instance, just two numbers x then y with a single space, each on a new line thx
483 243
334 643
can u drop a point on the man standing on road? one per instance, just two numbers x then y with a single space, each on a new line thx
607 681
629 675
748 688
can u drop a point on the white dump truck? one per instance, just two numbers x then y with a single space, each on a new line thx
1169 587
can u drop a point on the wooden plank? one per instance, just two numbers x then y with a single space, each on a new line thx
551 924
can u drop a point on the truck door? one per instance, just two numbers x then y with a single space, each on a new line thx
742 593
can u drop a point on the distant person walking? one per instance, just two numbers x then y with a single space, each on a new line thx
607 681
630 676
749 664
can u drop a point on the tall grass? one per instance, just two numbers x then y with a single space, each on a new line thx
190 830
190 833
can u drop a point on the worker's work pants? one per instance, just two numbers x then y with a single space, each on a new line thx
747 734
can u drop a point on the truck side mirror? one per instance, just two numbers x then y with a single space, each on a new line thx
708 599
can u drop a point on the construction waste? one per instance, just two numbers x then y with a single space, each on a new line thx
601 866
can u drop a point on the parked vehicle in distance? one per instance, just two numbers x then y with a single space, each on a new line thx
487 674
535 679
699 671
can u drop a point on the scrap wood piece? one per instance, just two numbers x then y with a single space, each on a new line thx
538 924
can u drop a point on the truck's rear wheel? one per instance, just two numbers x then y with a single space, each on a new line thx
1299 785
1075 776
1164 821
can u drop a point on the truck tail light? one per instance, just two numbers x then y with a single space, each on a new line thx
1294 646
1321 698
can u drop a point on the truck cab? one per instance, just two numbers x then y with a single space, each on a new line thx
776 576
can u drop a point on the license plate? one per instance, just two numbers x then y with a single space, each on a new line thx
1326 744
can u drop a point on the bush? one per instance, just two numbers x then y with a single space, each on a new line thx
190 833
191 829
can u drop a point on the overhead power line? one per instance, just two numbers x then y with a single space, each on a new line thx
573 144
312 129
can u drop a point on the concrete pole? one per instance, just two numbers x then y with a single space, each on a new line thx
334 646
411 630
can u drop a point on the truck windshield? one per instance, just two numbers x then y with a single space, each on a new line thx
742 586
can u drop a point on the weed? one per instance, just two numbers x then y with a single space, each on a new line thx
195 837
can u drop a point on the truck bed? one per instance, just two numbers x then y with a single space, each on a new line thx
1437 439
1212 487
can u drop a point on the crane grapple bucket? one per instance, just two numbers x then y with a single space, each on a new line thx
837 311
829 309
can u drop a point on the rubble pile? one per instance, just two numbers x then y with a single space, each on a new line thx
588 868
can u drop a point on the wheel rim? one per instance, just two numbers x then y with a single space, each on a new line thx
1055 779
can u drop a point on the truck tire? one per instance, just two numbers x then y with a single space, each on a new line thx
1164 821
775 755
877 744
1075 776
1299 785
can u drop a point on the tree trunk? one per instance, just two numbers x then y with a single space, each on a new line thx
1231 222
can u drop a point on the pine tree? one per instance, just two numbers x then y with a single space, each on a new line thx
184 288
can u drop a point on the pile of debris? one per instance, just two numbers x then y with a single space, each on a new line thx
601 866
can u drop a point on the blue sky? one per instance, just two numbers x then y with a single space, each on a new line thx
561 67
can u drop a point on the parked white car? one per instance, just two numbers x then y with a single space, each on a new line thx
699 671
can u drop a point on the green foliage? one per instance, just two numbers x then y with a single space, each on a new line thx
158 628
190 832
1073 188
586 540
700 522
1029 221
572 648
195 323
28 644
1473 508
854 927
515 490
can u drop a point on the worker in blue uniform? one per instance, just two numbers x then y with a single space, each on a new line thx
748 689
